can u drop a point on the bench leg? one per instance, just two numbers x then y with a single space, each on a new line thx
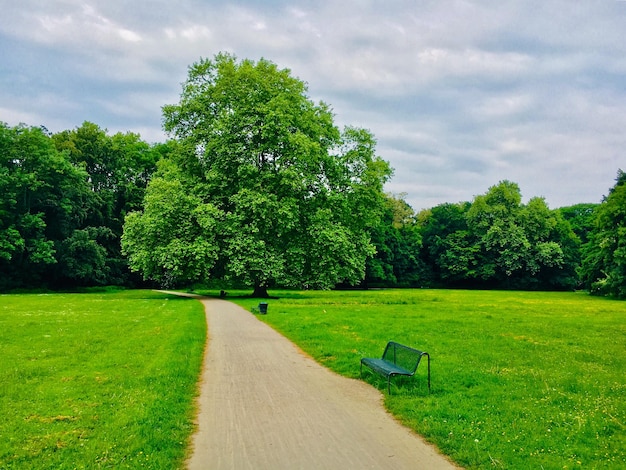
428 356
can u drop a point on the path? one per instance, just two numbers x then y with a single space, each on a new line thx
264 404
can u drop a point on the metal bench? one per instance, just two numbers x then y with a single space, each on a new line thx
397 360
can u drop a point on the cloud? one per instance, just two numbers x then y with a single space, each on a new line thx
459 94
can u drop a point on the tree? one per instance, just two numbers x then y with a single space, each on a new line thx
41 202
398 242
448 250
519 243
554 255
498 242
604 256
581 218
118 170
275 193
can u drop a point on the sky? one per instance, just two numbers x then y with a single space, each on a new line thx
460 95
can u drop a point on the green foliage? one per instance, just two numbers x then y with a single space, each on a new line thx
447 252
498 242
581 218
289 196
604 263
397 241
261 188
118 170
99 380
82 258
40 203
62 202
519 379
174 239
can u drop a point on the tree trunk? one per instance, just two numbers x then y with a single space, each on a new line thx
260 292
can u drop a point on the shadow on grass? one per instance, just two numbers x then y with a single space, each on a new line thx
247 295
416 386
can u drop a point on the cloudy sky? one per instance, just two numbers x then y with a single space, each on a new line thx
459 94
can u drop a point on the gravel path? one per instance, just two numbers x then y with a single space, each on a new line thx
264 404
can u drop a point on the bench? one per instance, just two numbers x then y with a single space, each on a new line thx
397 360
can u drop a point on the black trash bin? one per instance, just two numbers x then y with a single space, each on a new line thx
263 308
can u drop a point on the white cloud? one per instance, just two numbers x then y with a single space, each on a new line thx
459 94
191 33
16 117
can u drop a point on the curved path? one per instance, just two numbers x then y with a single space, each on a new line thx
264 404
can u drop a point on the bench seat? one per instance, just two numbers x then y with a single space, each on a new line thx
397 359
383 367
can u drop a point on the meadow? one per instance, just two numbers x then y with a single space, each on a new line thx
520 380
98 380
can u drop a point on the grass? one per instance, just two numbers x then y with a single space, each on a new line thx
98 380
520 380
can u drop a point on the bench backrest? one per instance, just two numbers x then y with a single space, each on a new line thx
402 356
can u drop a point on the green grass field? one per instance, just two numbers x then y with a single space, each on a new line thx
98 380
520 380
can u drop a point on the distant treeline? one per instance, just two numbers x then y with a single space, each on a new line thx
64 198
496 242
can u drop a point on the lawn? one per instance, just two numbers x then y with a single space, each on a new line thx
98 380
520 380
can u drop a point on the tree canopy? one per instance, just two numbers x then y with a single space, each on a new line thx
263 188
40 203
498 242
604 257
398 242
258 186
62 201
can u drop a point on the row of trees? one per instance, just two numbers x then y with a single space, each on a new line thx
63 200
258 186
495 241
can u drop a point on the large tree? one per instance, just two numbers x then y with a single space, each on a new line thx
521 245
263 189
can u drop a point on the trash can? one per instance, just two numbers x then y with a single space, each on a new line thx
263 308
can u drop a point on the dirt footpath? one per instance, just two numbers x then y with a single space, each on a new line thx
266 405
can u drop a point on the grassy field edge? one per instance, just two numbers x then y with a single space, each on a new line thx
98 380
520 379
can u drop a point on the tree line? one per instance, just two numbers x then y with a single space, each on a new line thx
63 200
257 186
497 242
